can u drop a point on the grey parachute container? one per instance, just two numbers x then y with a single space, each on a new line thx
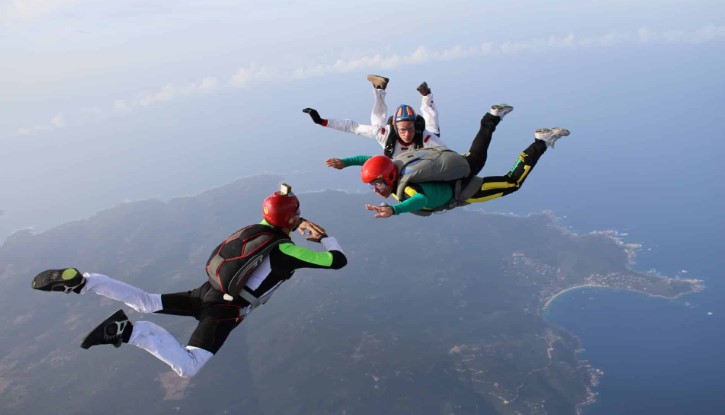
436 164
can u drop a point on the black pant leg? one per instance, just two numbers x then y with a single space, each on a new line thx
478 152
216 322
184 303
526 162
497 186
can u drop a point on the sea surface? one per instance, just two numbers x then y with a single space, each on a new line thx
659 356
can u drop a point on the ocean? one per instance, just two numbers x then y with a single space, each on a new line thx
659 356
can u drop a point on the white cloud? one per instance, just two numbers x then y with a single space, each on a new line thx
166 93
702 35
244 76
421 55
17 11
121 105
170 92
255 74
94 112
610 39
58 121
208 85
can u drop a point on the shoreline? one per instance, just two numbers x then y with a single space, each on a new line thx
566 290
595 374
697 286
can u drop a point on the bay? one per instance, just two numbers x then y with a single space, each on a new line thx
659 356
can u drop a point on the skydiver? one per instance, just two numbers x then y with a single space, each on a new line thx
383 175
217 314
405 131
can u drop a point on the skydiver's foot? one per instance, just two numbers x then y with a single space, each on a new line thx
549 136
500 110
379 82
114 330
66 280
423 89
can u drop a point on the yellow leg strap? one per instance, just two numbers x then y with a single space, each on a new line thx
484 199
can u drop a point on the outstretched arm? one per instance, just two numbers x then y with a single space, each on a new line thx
422 196
340 164
299 257
414 203
383 211
376 132
335 163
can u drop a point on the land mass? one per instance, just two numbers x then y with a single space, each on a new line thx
437 315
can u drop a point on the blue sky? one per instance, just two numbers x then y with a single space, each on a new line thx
104 102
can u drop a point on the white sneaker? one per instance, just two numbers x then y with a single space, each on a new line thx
549 136
500 110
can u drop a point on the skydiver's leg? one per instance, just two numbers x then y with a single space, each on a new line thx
478 153
216 321
185 361
498 186
379 115
428 109
134 297
117 329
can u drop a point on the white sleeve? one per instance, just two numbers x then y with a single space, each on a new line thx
430 114
331 244
377 132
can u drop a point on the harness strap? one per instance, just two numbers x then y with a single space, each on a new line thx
250 298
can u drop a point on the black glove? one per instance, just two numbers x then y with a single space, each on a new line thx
314 115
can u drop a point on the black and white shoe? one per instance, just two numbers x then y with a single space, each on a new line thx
66 280
500 110
114 330
550 135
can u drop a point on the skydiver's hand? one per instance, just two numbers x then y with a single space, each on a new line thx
335 163
314 115
311 231
384 211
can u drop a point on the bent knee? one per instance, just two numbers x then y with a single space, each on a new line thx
197 359
187 373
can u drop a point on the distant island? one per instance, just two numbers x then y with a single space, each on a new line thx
436 315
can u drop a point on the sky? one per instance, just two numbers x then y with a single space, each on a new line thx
105 102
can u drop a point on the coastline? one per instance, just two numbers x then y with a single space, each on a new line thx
697 286
596 373
566 290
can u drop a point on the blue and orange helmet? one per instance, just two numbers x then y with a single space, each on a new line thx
404 113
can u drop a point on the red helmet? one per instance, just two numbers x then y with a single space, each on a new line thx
379 167
281 208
